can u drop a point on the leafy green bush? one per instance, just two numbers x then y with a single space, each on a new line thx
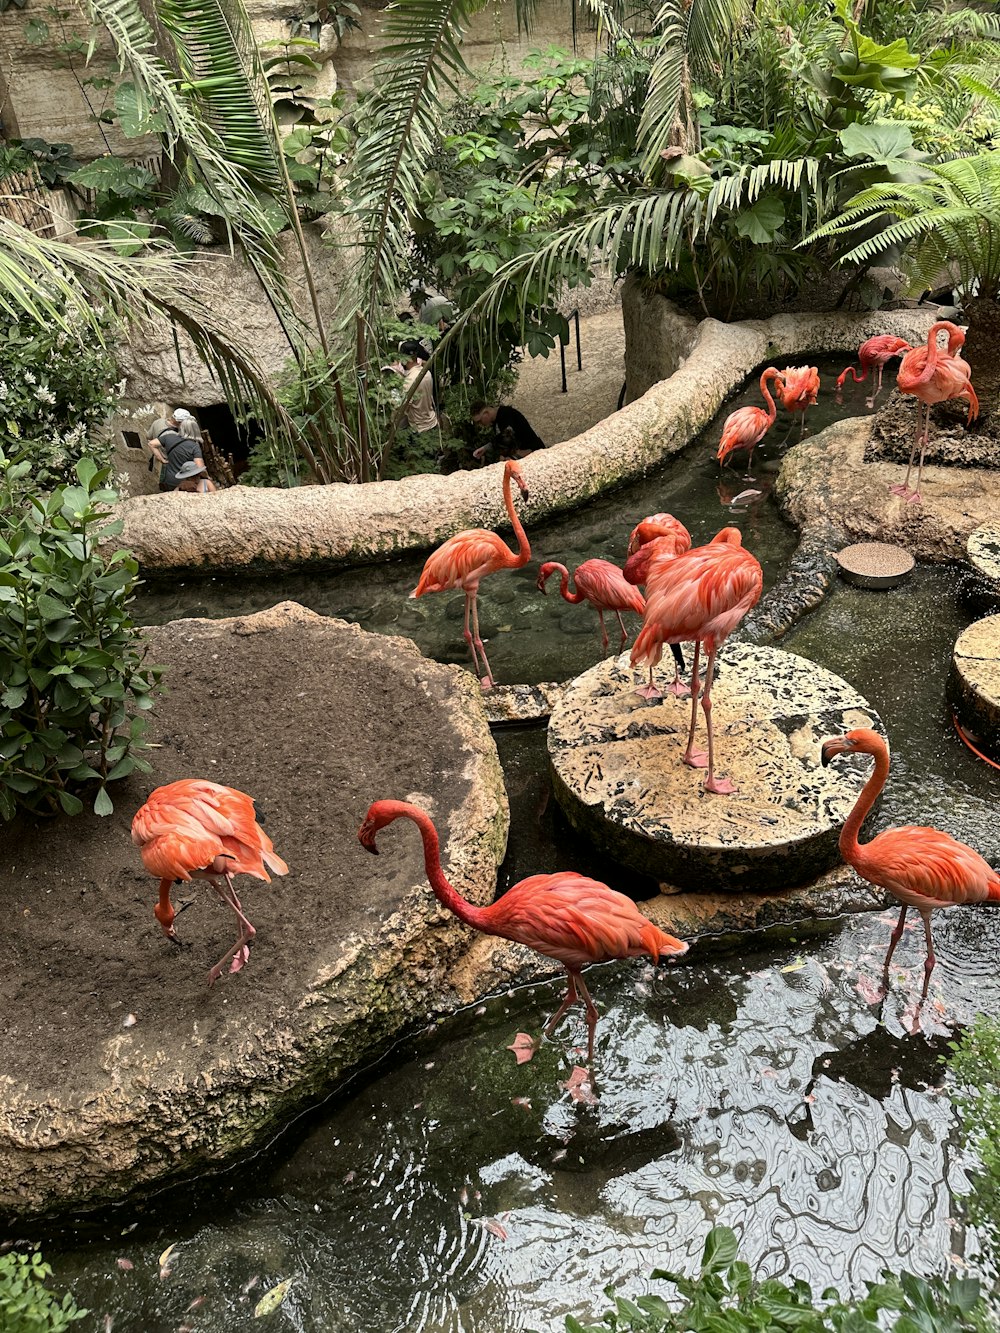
56 391
725 1298
26 1304
71 660
975 1063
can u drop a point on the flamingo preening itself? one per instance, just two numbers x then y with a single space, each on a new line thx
196 829
652 544
874 353
603 585
921 867
798 389
747 426
563 916
933 377
707 593
463 560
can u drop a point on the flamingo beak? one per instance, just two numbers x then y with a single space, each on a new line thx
831 748
366 836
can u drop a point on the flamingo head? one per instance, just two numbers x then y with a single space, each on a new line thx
545 573
727 537
377 817
860 741
512 470
165 913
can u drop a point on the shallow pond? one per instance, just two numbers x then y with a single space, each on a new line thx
533 637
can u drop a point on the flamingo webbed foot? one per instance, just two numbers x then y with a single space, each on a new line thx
240 959
696 758
649 692
678 689
720 786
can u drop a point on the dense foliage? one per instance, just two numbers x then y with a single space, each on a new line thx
57 390
724 1297
71 661
975 1064
26 1303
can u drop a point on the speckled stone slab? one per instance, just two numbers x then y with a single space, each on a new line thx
984 552
974 683
617 771
521 703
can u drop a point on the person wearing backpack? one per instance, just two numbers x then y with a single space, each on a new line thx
172 450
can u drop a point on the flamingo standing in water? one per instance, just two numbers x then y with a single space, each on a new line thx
874 352
463 560
747 426
931 377
921 867
196 829
652 544
563 916
709 591
603 585
798 389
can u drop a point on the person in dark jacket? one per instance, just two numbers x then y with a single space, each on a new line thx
173 451
513 434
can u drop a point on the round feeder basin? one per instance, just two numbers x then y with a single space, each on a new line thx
875 564
618 774
983 548
974 683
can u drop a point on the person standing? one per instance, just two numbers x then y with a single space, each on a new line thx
173 451
513 434
419 411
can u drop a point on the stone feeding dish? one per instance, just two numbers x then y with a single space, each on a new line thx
875 565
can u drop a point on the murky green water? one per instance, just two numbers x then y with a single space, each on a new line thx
532 637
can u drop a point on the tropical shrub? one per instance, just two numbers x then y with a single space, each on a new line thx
724 1297
26 1303
975 1064
57 389
75 683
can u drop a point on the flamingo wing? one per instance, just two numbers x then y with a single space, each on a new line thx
926 868
464 558
185 825
605 586
705 593
742 430
798 387
578 921
657 526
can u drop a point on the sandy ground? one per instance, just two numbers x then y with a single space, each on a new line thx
592 393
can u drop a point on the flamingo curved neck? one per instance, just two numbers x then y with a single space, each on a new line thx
850 849
523 548
445 892
772 411
576 595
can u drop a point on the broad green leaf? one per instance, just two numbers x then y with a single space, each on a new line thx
721 1250
883 141
70 803
103 804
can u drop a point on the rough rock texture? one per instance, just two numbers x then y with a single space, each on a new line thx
658 338
825 481
352 524
618 773
983 550
954 442
522 703
974 682
315 718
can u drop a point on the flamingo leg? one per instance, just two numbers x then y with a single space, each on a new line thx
649 691
592 1017
571 999
692 757
621 626
896 936
487 680
747 475
467 633
903 488
931 959
677 686
870 400
914 496
718 786
604 632
802 424
240 951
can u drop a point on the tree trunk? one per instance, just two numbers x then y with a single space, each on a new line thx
982 349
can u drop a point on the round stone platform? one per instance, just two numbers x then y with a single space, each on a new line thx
983 547
974 682
618 775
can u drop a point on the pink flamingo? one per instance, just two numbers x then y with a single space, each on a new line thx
747 426
463 560
874 352
921 867
650 563
798 389
709 591
932 378
565 916
603 585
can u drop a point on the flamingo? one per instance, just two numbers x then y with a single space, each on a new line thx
651 562
746 427
798 389
603 585
932 378
657 526
877 352
709 591
564 916
921 867
196 829
464 559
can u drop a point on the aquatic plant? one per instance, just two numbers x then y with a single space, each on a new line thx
975 1063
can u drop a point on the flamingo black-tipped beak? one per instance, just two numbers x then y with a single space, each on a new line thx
366 836
831 749
525 495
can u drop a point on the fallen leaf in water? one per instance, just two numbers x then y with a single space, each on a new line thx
559 1154
494 1227
196 1304
524 1047
521 1101
270 1301
130 1229
579 1086
126 1265
794 967
164 1258
504 629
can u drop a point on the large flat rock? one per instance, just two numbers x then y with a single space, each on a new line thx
618 774
983 550
315 718
974 682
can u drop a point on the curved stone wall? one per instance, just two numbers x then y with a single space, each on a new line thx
244 528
